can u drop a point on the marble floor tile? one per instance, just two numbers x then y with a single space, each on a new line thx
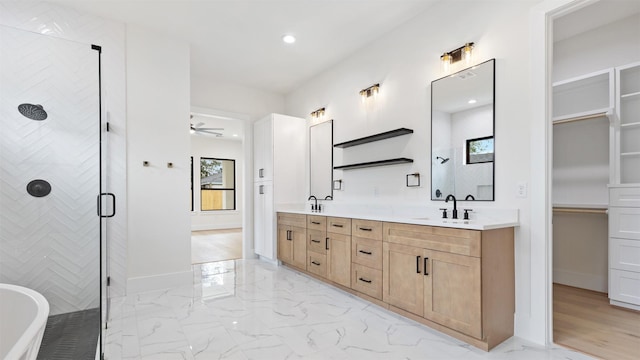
248 309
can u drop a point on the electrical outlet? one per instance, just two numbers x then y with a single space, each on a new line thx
521 190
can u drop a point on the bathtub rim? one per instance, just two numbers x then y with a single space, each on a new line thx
35 330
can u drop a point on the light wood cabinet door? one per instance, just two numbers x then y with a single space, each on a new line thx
403 281
285 244
299 244
339 258
452 291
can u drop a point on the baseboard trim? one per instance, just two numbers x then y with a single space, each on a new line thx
624 305
215 227
159 282
581 280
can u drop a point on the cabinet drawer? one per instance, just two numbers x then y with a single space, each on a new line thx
317 241
367 280
317 222
367 252
298 220
367 229
624 254
339 225
624 223
317 263
624 196
624 286
456 241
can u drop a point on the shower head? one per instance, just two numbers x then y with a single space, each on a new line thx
443 159
33 112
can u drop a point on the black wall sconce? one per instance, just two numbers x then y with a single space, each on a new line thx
318 114
464 52
372 90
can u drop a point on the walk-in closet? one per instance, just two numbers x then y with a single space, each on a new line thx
596 179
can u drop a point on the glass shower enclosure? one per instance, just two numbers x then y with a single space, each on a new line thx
51 221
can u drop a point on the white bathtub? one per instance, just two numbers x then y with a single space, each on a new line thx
23 317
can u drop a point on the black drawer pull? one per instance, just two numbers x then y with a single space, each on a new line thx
315 241
418 264
315 263
365 229
365 252
337 225
326 244
315 223
365 280
425 266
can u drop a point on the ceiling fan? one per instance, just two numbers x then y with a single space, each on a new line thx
197 128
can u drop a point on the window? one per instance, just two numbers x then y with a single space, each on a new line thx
217 184
480 150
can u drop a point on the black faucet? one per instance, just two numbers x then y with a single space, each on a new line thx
314 207
455 206
469 196
328 197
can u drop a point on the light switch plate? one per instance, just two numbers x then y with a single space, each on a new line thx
521 190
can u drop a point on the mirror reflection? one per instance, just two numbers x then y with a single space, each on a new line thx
321 160
462 134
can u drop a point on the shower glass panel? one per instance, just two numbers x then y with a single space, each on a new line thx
50 169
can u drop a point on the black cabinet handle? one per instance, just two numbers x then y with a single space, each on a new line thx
113 197
418 264
364 229
261 173
288 234
337 225
315 263
326 244
315 241
425 266
365 252
261 190
365 280
315 223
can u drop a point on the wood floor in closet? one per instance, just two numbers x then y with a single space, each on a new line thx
585 321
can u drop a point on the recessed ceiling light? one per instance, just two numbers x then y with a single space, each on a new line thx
236 135
473 101
289 39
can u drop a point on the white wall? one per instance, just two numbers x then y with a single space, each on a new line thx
211 147
157 98
405 61
214 94
611 45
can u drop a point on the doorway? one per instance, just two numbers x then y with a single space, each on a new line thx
585 135
218 201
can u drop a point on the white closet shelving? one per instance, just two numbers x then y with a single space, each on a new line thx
628 129
583 96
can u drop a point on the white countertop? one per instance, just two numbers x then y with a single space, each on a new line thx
480 218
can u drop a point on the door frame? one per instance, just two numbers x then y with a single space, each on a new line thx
541 52
247 169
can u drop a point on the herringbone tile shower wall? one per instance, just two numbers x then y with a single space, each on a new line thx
34 235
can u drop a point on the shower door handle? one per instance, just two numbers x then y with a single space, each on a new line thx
113 197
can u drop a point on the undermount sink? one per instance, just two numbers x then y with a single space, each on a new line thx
446 221
421 218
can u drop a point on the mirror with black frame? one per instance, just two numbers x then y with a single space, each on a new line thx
321 160
462 134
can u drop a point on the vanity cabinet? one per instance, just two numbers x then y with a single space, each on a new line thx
329 248
461 280
457 281
366 255
292 239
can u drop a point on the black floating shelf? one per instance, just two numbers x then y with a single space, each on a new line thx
374 163
376 137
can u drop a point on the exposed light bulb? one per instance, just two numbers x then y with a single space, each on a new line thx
446 62
472 101
466 52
